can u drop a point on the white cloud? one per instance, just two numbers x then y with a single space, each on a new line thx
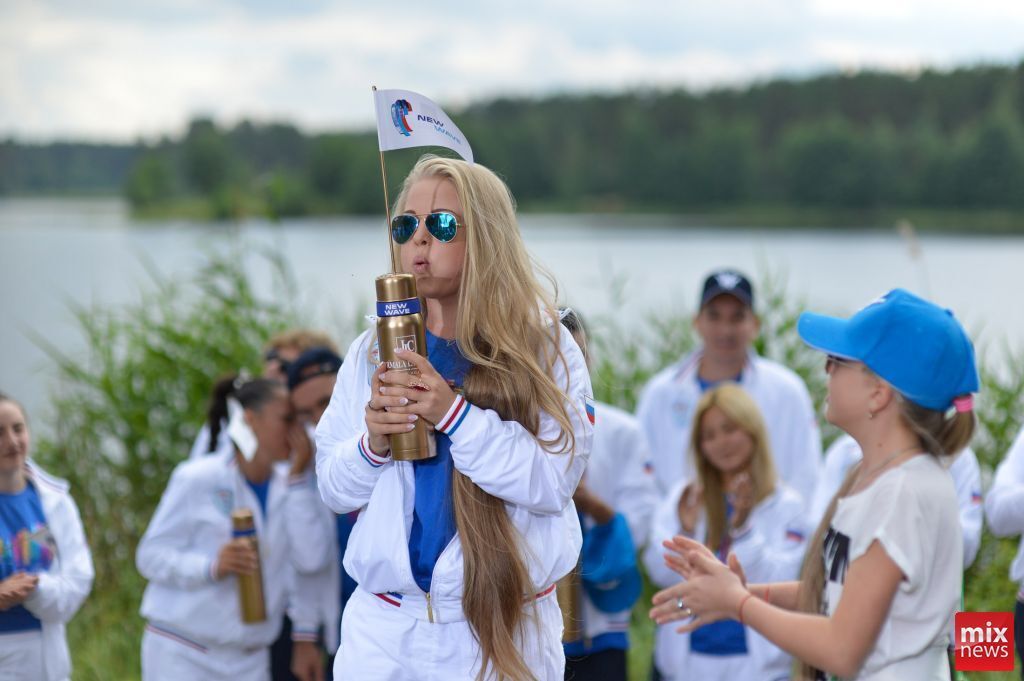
114 70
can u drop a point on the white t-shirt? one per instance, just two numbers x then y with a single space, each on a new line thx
912 511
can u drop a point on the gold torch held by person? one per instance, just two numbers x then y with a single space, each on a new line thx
570 600
250 586
400 327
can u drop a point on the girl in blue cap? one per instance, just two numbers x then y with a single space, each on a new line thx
876 599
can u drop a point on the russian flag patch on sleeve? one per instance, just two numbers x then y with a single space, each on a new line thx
588 403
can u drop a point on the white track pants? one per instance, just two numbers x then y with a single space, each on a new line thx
380 642
168 657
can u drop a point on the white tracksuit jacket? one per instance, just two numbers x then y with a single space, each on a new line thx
316 597
1004 505
501 457
770 548
63 588
177 555
619 473
845 452
669 399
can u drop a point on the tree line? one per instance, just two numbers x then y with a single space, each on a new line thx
938 139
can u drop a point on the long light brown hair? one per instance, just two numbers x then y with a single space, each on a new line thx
940 435
739 407
507 327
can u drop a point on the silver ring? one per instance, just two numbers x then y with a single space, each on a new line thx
679 603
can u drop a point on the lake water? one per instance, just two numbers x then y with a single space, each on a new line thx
54 252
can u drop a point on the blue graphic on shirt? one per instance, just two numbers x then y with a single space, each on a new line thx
433 518
26 545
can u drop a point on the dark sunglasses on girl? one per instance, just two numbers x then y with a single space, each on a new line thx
442 225
831 362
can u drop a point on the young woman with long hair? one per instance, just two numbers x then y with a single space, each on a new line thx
735 504
46 568
881 581
456 556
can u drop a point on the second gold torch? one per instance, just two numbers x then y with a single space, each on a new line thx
250 587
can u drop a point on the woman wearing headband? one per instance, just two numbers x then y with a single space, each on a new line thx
456 556
45 566
881 581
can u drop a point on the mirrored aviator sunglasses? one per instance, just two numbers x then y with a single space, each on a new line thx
442 225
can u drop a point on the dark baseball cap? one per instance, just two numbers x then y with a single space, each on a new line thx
727 282
315 361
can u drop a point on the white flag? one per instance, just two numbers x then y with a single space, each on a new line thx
408 119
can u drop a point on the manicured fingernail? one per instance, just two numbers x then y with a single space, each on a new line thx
410 426
381 389
403 401
413 417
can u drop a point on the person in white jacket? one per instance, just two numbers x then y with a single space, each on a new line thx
1004 510
734 504
882 579
456 556
194 627
46 569
615 500
321 586
728 325
845 452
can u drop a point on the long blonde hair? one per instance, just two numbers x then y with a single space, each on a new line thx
739 407
507 327
940 435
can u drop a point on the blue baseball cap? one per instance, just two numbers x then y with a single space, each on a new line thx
916 346
609 572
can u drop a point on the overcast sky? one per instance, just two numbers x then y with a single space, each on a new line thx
118 69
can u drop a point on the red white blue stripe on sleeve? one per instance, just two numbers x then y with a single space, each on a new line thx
302 634
372 458
588 403
794 535
455 416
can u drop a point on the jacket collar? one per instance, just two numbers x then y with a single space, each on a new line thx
686 371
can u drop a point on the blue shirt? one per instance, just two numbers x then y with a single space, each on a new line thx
433 518
26 545
343 525
260 489
708 385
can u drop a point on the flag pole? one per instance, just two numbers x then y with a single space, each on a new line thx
387 204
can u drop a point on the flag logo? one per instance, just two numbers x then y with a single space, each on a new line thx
399 110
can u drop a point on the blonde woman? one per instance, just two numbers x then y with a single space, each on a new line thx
881 580
456 556
735 504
